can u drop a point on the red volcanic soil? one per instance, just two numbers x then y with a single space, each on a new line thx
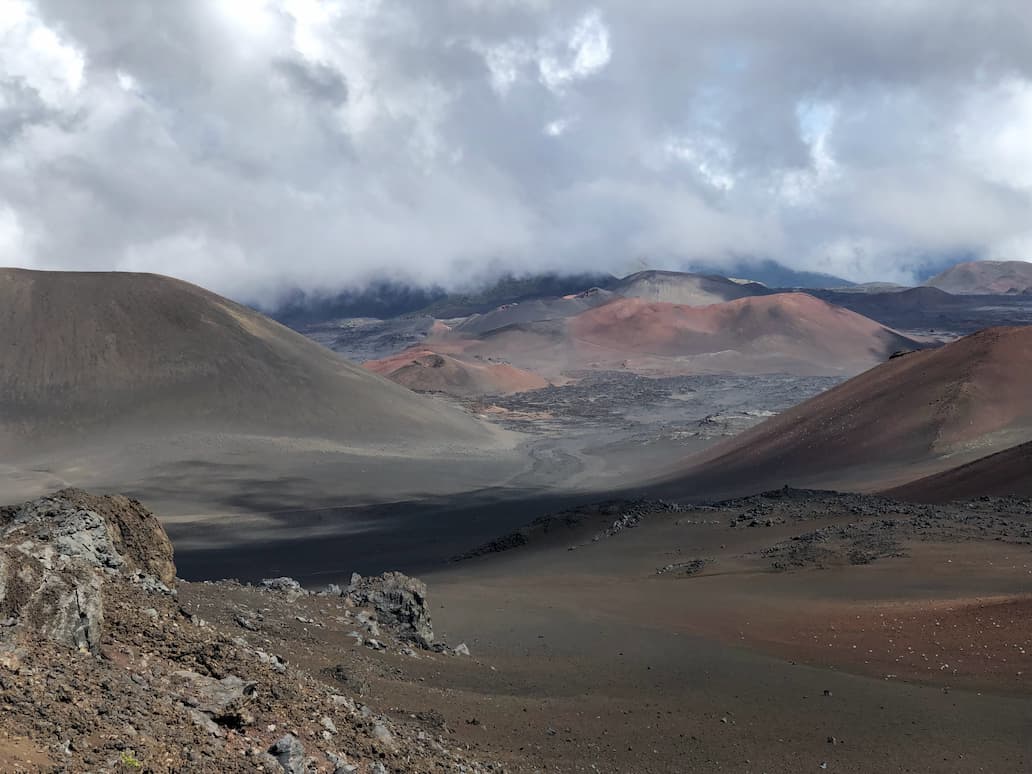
985 277
914 415
426 370
1006 473
779 333
971 642
793 326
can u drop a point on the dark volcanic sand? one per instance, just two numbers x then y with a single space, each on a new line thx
591 660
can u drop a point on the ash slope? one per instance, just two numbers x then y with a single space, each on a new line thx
1006 473
143 383
795 630
985 278
792 332
676 287
534 310
424 370
142 351
789 333
912 416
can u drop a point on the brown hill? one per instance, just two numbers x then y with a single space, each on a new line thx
425 370
985 277
780 333
1006 473
139 352
676 287
792 332
912 416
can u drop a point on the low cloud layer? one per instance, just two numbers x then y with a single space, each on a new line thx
255 146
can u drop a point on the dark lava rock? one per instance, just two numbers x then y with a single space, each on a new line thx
399 602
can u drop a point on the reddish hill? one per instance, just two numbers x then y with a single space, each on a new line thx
1005 473
426 370
985 277
785 332
911 416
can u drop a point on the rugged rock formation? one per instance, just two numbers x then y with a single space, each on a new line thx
105 666
55 553
399 602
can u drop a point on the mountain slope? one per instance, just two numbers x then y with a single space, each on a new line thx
773 274
683 288
911 416
424 370
985 277
786 331
138 352
533 310
511 289
1006 473
780 333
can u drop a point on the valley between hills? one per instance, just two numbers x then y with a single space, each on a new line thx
661 523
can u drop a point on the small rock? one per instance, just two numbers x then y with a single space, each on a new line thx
289 752
222 700
340 764
462 649
281 584
343 701
287 586
274 661
205 722
246 623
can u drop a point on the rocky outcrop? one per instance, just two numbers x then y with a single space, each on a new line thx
398 602
136 534
106 663
289 754
55 553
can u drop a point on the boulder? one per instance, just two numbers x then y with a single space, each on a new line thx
221 700
287 586
399 603
289 752
54 555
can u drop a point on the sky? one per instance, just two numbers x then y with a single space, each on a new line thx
258 146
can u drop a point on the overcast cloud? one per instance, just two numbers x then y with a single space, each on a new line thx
251 146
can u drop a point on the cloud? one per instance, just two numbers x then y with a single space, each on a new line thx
254 147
